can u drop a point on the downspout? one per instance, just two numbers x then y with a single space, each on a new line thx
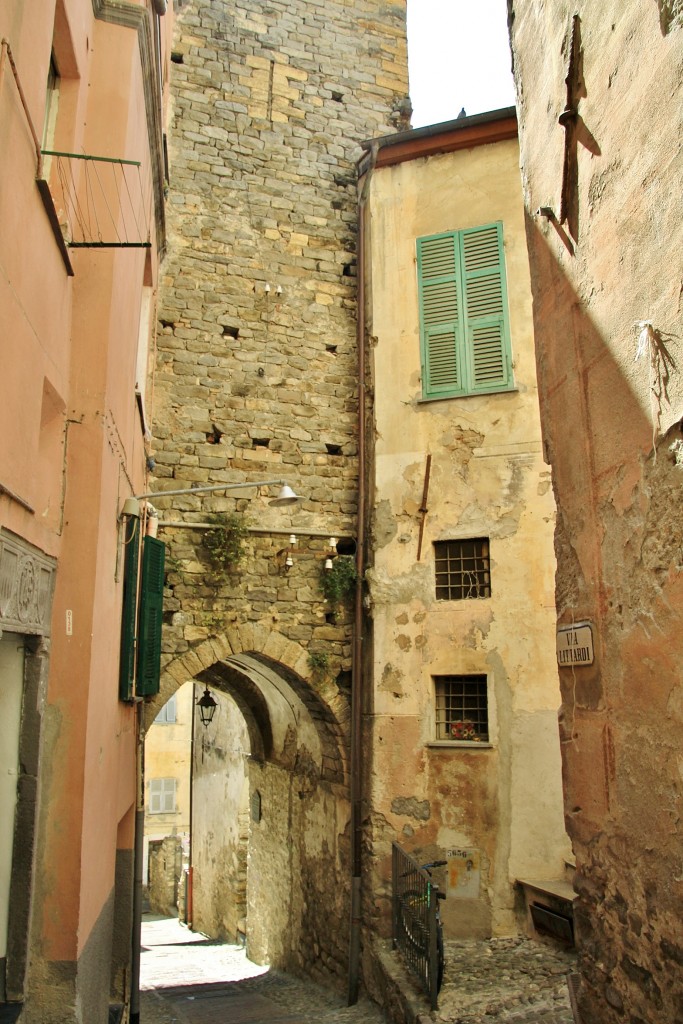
3 57
7 53
189 906
137 866
357 658
139 848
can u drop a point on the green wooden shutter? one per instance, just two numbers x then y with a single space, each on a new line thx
151 612
130 606
486 309
441 321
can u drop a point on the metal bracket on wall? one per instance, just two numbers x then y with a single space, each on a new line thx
423 507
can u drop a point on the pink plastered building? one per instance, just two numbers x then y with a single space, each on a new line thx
81 237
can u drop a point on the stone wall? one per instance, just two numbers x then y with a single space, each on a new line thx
604 261
256 363
297 885
165 872
256 379
220 804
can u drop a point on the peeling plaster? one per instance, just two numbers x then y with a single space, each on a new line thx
387 590
385 526
411 807
392 680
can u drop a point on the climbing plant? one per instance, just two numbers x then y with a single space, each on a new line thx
339 582
224 542
319 661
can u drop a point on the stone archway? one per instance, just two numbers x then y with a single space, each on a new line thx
270 777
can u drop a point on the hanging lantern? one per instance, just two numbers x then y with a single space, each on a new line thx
207 707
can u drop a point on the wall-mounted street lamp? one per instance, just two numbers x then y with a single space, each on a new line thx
207 707
286 495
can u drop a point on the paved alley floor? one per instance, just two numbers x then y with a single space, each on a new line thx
186 978
189 979
499 981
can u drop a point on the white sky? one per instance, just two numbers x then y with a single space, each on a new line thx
458 56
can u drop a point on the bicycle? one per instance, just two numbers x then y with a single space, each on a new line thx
414 922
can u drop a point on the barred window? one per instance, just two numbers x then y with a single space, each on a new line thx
461 708
462 568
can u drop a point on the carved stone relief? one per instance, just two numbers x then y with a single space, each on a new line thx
26 586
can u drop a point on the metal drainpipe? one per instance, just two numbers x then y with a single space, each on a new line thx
189 896
357 661
3 57
137 867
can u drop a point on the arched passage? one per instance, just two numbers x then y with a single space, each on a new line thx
270 801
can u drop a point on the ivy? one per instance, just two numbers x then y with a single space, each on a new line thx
224 542
339 582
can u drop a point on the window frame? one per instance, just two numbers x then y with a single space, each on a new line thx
457 318
52 95
159 791
479 709
478 556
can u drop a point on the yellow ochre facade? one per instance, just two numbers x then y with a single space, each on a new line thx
463 723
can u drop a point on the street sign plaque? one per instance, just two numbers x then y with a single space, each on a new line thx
575 645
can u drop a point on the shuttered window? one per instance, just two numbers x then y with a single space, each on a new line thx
151 614
162 796
464 328
167 715
130 607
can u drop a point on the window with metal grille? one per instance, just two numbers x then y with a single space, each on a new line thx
162 796
461 708
463 569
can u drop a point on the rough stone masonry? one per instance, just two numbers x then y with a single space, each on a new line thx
256 355
256 375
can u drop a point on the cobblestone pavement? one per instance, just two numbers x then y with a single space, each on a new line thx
188 979
503 981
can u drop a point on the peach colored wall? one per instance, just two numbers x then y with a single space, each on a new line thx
72 438
609 420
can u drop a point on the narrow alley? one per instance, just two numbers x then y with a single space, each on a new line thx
188 979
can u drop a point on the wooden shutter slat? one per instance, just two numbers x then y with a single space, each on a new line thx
485 296
480 248
151 617
464 328
442 360
485 302
440 313
488 356
438 256
440 303
129 610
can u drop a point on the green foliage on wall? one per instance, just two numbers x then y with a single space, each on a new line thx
339 582
319 661
225 541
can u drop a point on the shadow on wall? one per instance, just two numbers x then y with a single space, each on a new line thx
270 803
618 543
